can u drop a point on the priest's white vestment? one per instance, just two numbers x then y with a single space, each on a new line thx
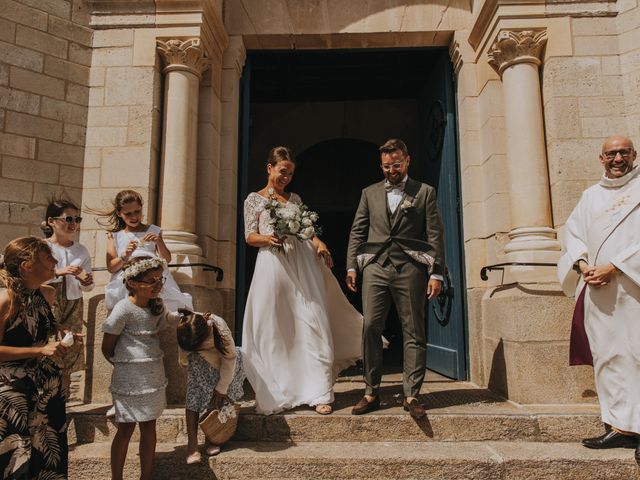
605 228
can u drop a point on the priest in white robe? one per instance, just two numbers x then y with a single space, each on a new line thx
602 261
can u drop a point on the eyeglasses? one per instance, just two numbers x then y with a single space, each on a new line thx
395 166
159 280
70 219
624 153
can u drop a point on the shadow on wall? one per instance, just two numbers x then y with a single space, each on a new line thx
95 307
498 375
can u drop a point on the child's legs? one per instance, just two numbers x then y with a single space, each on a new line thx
147 448
119 448
192 430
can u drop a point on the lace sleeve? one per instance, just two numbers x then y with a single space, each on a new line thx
252 209
227 337
295 198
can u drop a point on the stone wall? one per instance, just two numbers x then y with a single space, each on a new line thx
122 151
484 189
584 103
628 23
123 131
125 135
45 56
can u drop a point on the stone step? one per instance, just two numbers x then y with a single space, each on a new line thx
367 460
89 424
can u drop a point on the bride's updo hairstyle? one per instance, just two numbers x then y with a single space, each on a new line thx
279 154
193 330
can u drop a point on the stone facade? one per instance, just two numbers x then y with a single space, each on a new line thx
101 95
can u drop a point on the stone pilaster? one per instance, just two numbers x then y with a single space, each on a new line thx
516 56
184 61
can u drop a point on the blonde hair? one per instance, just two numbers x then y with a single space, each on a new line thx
18 251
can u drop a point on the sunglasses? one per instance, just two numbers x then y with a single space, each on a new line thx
70 219
154 282
624 153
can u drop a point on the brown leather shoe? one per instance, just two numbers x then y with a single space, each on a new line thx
366 406
414 408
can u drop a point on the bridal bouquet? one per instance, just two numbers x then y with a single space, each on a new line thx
292 219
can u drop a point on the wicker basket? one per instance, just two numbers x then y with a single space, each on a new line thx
215 432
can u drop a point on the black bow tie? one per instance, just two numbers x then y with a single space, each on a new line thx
388 186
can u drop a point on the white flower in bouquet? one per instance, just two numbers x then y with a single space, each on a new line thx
288 213
307 233
294 226
291 219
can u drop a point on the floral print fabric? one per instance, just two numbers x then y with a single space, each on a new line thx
33 436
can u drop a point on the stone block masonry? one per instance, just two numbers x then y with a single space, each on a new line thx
44 74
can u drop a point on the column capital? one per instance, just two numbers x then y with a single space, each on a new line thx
516 46
187 55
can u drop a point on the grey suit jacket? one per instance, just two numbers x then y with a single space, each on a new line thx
416 227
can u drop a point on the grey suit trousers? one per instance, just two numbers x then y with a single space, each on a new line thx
406 287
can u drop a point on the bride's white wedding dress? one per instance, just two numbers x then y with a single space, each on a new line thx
299 329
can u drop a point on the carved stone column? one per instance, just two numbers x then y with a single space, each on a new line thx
515 55
185 61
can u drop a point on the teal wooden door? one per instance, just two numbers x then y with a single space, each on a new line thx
438 162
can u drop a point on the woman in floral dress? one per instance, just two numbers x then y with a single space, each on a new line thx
33 436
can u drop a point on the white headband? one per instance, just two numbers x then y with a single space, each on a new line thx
142 266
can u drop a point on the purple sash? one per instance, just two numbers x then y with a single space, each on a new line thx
579 349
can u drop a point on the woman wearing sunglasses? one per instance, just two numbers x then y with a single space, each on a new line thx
73 277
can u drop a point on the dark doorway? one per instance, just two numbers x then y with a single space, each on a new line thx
333 108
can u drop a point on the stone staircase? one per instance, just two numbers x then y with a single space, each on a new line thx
469 433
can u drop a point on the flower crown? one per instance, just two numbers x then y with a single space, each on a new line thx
142 266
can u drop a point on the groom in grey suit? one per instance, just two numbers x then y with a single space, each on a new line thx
397 244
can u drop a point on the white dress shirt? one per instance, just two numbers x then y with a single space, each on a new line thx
394 196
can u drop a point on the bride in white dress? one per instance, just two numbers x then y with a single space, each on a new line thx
299 329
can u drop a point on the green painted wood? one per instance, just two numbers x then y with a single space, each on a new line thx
438 158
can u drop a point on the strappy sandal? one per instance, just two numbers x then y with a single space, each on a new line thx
194 458
212 450
324 409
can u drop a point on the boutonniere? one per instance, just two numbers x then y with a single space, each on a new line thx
406 205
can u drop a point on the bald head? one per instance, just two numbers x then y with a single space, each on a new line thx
616 140
617 156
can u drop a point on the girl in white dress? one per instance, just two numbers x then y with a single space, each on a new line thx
299 329
128 238
73 277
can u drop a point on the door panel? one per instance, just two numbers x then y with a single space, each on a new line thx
446 315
